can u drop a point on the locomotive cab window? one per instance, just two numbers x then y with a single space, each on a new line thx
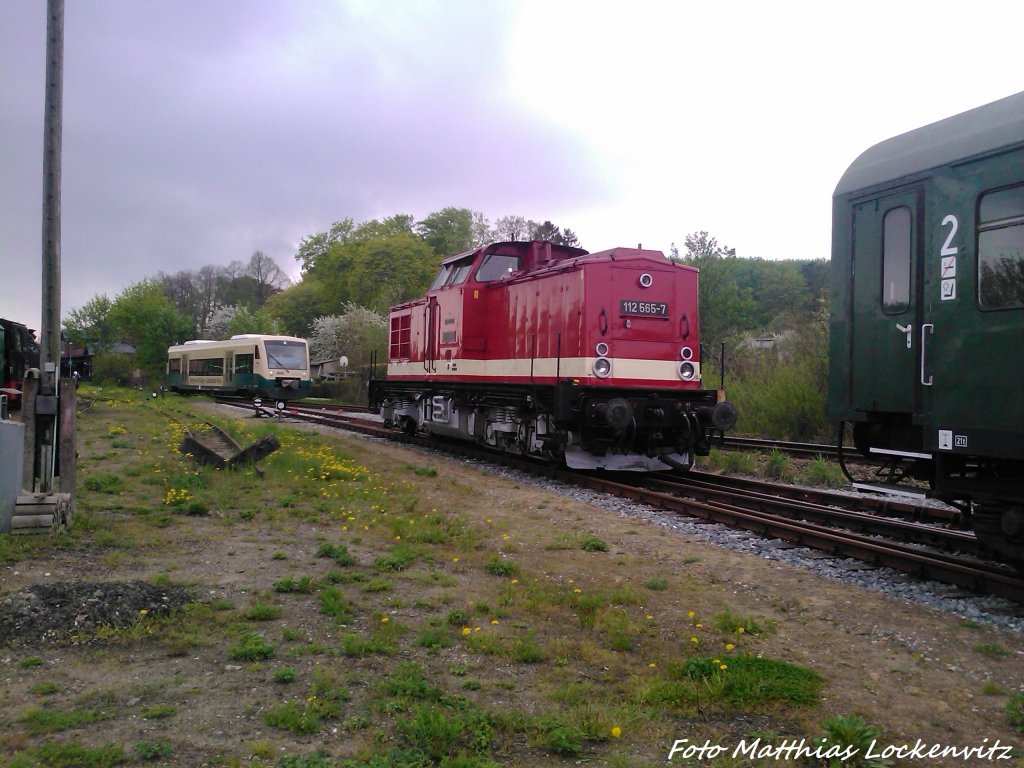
1001 249
896 261
496 266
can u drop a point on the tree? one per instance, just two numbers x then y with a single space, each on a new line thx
144 316
91 326
511 228
230 321
724 307
268 277
450 230
355 333
297 306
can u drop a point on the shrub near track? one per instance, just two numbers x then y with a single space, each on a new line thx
374 614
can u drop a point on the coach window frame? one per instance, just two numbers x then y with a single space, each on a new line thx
1009 219
897 259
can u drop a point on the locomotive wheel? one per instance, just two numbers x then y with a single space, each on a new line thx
1001 528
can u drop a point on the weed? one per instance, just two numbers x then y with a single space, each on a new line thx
562 738
41 721
992 650
153 750
332 603
112 484
1015 712
433 638
303 585
159 712
294 717
821 472
74 755
251 647
498 567
778 466
337 552
31 661
593 544
855 733
729 622
284 675
398 558
657 585
264 612
44 689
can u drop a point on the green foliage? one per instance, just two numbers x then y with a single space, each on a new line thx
722 302
498 567
251 647
449 231
337 552
144 316
856 733
90 325
820 471
1015 712
153 750
40 721
657 585
333 603
263 612
593 544
562 738
74 755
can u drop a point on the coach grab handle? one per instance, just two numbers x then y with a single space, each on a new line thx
931 329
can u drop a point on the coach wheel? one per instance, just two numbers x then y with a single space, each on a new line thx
1001 528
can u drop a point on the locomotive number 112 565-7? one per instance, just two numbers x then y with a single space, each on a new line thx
643 308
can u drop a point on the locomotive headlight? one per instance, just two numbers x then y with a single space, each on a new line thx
646 281
686 353
602 367
687 371
601 349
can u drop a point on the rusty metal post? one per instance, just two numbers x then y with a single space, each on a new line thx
68 412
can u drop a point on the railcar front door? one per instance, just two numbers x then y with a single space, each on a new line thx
886 321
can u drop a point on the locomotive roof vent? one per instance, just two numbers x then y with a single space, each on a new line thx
646 280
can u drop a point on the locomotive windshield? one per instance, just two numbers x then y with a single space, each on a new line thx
452 273
497 266
286 354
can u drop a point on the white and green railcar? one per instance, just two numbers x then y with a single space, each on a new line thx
275 367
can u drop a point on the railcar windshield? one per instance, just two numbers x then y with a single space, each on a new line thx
286 354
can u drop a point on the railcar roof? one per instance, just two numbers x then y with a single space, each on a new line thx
978 131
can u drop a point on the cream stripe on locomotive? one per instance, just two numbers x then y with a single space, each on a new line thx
547 367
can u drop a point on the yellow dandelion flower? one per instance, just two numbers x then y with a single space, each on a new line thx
694 640
652 665
384 620
723 667
466 631
729 646
690 614
698 625
515 581
494 621
616 731
741 630
143 611
577 590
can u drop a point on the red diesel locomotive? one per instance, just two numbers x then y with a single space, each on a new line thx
546 350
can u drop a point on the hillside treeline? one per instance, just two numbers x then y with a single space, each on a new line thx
768 315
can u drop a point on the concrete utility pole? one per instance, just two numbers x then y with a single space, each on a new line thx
49 328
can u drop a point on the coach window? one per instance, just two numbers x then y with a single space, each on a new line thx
1001 249
497 266
896 261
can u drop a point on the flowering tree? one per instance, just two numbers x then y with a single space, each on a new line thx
355 333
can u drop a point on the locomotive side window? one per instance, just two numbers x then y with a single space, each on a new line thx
497 266
1001 249
896 261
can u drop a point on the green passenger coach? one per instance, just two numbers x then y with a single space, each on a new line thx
927 303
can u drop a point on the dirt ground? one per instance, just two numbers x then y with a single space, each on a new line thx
916 673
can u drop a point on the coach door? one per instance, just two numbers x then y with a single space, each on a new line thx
886 323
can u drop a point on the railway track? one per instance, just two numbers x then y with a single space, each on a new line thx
923 541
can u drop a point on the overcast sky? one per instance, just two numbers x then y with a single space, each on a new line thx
197 132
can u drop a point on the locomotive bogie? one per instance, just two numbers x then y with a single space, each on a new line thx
547 350
928 311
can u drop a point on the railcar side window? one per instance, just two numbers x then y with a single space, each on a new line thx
174 365
497 266
1001 249
210 366
896 261
243 363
